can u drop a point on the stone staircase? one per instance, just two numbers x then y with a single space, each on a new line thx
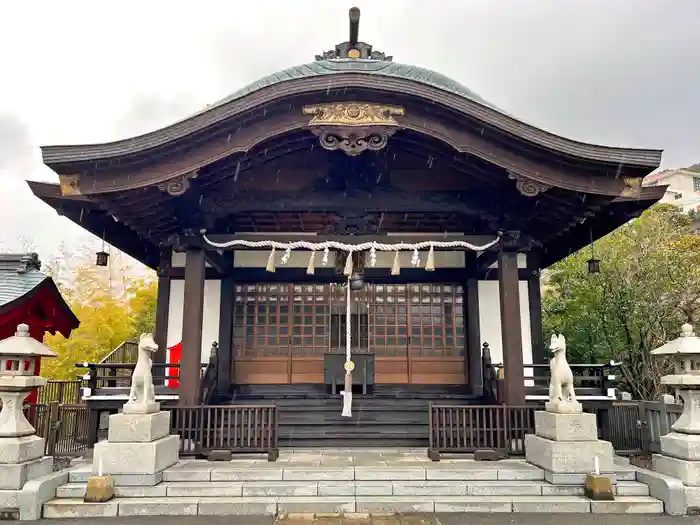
390 417
349 481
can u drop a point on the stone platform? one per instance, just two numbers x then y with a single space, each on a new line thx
346 481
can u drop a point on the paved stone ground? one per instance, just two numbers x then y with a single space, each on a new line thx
431 519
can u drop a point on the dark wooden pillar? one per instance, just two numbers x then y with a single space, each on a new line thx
472 340
511 329
192 316
476 379
225 360
539 352
163 306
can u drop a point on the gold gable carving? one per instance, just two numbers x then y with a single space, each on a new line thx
633 187
353 127
70 185
526 186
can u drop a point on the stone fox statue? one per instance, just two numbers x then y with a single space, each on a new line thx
142 380
561 383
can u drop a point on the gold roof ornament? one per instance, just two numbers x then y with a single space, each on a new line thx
353 127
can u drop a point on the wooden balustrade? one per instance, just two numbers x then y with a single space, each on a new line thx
118 375
467 428
236 428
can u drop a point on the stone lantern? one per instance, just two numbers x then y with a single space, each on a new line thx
22 457
680 449
18 356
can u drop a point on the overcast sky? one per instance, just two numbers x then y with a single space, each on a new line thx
622 72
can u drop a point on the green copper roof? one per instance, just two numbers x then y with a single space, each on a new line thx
369 67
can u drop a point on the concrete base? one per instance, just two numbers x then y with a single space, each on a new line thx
566 427
138 428
563 407
141 408
21 449
136 458
568 456
681 446
27 502
686 471
13 476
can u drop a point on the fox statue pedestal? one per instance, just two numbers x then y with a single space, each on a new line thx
565 443
139 446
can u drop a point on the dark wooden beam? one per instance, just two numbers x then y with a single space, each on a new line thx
473 335
511 328
224 372
162 306
469 203
323 275
222 262
115 233
192 316
178 273
485 259
371 275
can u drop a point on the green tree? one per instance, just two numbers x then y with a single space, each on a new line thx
114 304
648 286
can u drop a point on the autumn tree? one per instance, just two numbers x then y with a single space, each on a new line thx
113 303
649 284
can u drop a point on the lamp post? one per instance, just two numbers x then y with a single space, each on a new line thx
680 449
18 357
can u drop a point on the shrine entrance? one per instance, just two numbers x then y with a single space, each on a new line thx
415 332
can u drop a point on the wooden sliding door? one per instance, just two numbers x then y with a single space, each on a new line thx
418 333
282 331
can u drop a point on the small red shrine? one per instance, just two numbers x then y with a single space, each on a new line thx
29 296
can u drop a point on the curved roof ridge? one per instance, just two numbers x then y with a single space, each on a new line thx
357 72
346 65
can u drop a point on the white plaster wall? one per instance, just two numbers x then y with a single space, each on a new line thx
210 321
490 321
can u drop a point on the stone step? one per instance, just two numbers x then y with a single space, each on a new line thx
189 506
351 488
260 470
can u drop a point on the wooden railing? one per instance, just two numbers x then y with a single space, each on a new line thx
118 375
590 380
61 391
127 352
464 429
657 418
236 428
